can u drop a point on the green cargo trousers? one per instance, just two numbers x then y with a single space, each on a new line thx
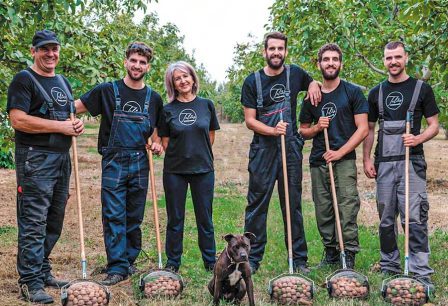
345 176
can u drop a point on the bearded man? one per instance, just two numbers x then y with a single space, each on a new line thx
129 112
269 97
343 111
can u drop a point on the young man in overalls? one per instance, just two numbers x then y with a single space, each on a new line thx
389 104
129 115
39 104
268 96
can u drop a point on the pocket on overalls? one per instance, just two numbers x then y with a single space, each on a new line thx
419 166
392 138
111 171
424 207
34 163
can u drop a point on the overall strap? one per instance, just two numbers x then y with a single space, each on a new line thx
67 92
415 95
117 96
259 90
48 103
380 102
147 99
287 91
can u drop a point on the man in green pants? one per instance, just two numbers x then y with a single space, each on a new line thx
343 111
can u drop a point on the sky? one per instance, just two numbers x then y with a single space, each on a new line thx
212 28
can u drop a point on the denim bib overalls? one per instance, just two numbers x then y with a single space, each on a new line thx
390 181
265 168
124 184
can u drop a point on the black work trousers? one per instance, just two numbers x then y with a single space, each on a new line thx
42 191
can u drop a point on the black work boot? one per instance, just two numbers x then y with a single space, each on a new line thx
330 257
38 296
350 259
113 279
53 282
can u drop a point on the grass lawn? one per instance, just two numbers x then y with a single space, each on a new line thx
228 216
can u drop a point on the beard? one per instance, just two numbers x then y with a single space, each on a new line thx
138 78
330 76
275 66
401 69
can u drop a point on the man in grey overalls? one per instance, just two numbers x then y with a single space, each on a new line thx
269 96
389 103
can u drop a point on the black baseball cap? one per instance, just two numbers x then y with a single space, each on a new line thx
45 37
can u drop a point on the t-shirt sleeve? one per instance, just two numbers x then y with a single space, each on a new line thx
306 79
93 101
305 112
373 105
163 127
214 124
249 92
429 102
20 93
158 109
360 105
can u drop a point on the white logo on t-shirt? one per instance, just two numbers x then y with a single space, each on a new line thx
132 107
394 100
59 96
277 93
187 117
329 110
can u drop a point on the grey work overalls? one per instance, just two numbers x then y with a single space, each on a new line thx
391 194
265 168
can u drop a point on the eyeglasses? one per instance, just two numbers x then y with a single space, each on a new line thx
140 47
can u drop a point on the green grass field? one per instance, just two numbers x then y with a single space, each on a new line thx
228 216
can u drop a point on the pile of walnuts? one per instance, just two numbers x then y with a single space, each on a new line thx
162 286
292 290
348 287
402 291
86 294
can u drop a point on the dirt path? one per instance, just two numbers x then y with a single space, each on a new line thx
231 151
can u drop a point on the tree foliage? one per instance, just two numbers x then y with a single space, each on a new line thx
94 35
361 28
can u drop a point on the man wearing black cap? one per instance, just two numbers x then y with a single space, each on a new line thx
39 104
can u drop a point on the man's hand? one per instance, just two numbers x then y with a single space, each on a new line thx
324 122
410 140
280 128
331 156
314 93
157 148
369 168
71 128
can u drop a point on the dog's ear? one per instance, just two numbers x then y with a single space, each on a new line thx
228 237
250 236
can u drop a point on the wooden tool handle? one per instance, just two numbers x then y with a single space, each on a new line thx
406 199
154 203
78 193
335 198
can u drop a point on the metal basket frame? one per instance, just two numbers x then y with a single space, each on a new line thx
311 282
384 285
158 273
64 289
330 277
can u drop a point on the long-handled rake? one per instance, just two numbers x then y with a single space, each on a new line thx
159 282
402 289
343 283
290 288
82 291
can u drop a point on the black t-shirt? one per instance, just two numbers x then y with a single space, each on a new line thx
341 105
274 89
101 101
23 94
397 97
188 124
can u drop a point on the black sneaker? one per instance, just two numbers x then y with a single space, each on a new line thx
350 259
53 282
302 269
330 257
113 279
171 268
132 270
388 273
426 280
209 267
253 268
38 296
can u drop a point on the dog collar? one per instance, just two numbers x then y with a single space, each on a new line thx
233 262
